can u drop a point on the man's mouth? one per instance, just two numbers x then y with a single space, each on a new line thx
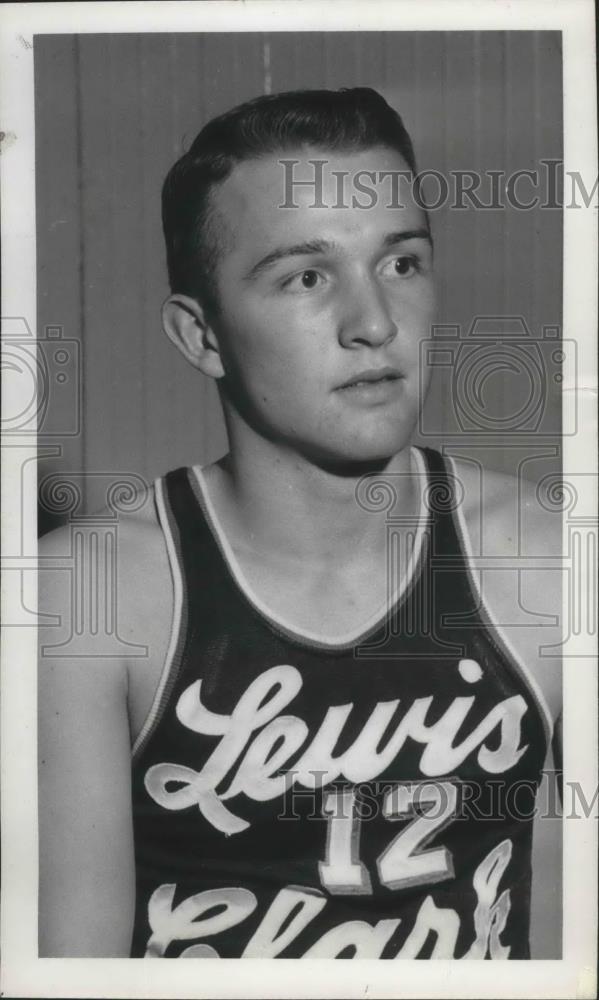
371 376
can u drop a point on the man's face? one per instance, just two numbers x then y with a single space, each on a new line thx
322 310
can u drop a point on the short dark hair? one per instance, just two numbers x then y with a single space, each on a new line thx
347 119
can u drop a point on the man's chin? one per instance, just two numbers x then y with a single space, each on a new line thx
360 457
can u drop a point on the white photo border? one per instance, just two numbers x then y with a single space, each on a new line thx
24 974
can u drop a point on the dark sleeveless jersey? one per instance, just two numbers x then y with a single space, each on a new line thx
368 798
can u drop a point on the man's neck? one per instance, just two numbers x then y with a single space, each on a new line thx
270 499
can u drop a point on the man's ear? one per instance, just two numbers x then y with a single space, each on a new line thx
186 324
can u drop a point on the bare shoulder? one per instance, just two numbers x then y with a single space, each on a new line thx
106 597
507 513
516 543
129 548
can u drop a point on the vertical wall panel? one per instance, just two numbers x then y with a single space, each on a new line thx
112 334
459 224
340 60
58 207
519 155
547 277
370 57
295 66
424 94
490 228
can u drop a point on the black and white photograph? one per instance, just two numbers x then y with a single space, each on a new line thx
299 449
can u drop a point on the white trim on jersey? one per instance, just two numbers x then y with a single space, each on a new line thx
178 591
518 662
350 638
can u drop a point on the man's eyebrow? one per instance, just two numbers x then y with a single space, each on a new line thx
392 239
295 250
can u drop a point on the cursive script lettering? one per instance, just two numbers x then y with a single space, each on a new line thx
294 908
260 756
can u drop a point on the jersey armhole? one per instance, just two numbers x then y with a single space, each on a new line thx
174 651
498 634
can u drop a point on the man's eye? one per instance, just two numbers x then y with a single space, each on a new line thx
404 266
304 281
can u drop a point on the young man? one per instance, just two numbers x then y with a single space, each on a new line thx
324 751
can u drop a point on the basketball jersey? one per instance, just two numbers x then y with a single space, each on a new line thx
295 797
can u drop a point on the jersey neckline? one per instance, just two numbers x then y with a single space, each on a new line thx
283 626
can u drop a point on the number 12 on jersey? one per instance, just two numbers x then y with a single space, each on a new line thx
428 808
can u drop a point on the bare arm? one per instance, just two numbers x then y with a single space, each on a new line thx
531 601
87 887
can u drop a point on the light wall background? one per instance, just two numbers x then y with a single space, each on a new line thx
113 112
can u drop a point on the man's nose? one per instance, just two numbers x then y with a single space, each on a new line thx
366 318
